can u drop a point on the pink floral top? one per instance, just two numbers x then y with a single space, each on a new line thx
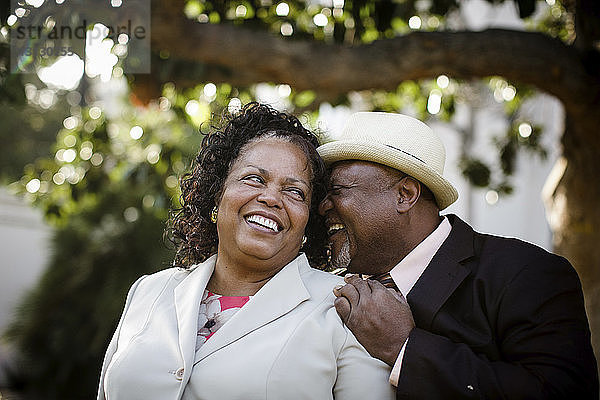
215 311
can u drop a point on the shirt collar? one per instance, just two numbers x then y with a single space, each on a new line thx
406 273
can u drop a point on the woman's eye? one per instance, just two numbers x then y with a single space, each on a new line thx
253 178
297 193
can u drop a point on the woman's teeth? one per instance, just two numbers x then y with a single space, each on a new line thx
262 221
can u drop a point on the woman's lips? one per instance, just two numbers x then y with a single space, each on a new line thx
263 223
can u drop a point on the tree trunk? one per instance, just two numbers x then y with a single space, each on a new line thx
575 213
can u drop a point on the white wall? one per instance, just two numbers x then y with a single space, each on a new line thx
24 251
24 240
522 213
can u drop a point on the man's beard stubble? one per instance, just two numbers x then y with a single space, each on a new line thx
342 259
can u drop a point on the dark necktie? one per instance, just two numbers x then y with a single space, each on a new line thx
386 280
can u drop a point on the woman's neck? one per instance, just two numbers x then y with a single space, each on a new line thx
232 279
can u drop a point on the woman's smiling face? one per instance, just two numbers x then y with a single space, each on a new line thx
265 204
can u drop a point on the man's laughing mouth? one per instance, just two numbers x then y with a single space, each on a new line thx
335 228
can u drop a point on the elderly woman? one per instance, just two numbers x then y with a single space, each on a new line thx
244 316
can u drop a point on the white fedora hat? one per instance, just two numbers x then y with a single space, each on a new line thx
398 141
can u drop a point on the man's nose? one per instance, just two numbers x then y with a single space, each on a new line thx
325 205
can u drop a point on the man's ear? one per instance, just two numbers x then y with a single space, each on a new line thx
409 191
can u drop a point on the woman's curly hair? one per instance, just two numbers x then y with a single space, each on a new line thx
190 227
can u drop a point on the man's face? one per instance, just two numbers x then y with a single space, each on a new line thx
359 206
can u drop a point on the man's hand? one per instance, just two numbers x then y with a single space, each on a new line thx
379 317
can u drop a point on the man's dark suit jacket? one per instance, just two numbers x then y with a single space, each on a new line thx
497 318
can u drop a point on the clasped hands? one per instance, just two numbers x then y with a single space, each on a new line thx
379 317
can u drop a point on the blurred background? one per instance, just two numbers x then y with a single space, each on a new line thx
97 131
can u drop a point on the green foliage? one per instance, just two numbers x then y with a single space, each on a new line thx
95 155
476 172
556 22
28 134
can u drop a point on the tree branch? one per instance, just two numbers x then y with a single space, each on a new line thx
247 56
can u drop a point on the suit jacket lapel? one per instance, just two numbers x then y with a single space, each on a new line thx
284 292
443 274
188 295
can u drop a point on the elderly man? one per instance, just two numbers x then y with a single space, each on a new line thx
472 315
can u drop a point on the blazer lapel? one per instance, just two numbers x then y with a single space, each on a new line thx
284 292
188 295
443 275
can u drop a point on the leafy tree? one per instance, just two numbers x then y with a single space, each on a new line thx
106 179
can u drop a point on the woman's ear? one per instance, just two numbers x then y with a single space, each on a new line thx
409 191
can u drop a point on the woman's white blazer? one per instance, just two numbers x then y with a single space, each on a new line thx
287 342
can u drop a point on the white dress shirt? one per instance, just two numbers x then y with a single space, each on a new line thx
406 273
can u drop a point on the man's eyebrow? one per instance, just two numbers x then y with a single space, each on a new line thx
345 181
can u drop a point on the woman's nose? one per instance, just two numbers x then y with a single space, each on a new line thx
270 197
